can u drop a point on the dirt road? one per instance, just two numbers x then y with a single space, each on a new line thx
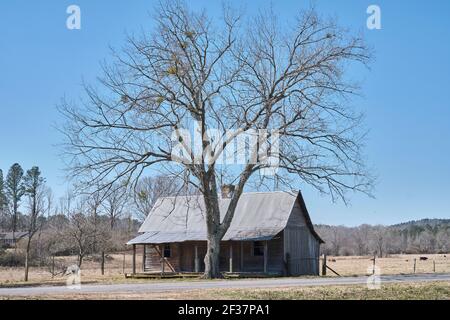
155 287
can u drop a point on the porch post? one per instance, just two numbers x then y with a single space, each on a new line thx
265 256
231 257
163 259
242 256
134 259
143 257
196 261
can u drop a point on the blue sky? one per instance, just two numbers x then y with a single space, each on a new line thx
406 93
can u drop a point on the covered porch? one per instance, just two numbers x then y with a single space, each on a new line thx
244 258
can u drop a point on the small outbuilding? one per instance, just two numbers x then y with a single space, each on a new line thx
271 233
10 239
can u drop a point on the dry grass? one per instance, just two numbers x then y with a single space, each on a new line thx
91 273
395 264
416 291
114 271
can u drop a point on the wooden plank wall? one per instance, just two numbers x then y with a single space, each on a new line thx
153 258
301 245
183 256
187 258
256 264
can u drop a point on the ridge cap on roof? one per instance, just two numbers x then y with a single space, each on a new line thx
292 192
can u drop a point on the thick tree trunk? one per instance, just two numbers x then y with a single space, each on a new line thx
214 234
26 267
216 228
27 258
80 259
212 267
103 263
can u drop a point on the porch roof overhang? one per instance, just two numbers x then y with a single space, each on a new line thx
156 237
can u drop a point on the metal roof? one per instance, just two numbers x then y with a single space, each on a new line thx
258 216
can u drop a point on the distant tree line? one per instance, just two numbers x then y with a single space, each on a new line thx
90 225
80 225
416 237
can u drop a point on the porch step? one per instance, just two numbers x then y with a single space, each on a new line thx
180 275
159 275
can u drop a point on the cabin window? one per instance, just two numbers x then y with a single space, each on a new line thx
258 249
167 251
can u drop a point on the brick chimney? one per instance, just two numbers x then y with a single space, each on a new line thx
227 191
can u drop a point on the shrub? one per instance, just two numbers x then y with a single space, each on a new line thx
11 259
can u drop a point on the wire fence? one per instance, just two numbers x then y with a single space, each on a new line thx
394 264
118 264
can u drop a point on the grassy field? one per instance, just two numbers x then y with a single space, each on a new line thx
417 291
116 267
394 264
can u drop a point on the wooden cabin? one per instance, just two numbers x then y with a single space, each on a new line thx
271 233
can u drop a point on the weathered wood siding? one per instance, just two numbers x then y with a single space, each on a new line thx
295 251
153 260
301 248
253 263
183 257
187 258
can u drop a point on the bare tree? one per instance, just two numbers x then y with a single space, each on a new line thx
79 231
35 191
150 189
414 237
115 203
94 202
284 85
49 202
336 240
443 240
379 239
66 203
361 239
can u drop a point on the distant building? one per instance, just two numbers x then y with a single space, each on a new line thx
271 233
10 239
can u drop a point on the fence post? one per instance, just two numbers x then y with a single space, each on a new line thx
123 264
374 264
144 257
415 261
53 266
134 259
103 263
434 266
324 265
196 260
